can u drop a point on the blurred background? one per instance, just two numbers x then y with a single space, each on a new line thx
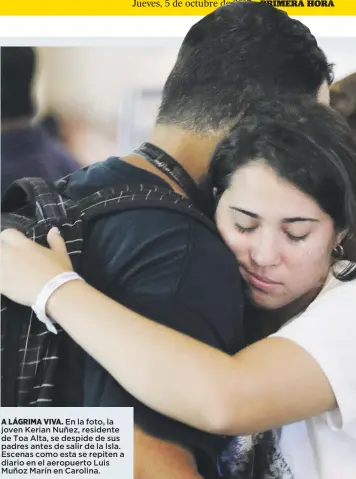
105 98
101 101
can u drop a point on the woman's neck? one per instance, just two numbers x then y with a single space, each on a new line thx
266 322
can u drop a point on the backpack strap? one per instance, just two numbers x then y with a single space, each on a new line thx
34 205
134 197
38 195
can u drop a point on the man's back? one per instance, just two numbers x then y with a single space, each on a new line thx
170 268
30 151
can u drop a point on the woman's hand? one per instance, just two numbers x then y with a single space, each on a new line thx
26 266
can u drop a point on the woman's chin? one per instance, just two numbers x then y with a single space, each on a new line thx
264 300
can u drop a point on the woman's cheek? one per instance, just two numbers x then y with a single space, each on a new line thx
234 240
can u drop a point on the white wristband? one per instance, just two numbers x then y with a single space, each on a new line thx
48 289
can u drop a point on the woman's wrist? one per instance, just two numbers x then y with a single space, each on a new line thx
64 298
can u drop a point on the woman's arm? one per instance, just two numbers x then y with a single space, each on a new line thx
266 385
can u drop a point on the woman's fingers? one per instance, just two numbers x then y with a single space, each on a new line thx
58 246
12 237
27 266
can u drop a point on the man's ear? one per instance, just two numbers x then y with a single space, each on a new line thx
343 95
342 103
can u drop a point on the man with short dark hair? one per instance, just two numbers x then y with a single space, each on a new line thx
240 52
26 147
165 265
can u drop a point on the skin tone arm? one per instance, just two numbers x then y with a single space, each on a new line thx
158 459
268 384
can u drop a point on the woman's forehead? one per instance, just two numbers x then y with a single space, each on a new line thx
258 187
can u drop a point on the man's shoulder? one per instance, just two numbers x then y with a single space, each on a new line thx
134 224
137 225
112 172
155 227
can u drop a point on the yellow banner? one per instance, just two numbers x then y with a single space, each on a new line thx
165 7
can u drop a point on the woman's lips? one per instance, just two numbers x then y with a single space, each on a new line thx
260 282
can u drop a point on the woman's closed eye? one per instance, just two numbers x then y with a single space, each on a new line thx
291 236
296 231
296 238
245 229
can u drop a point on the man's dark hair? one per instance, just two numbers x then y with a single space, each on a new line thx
240 51
18 66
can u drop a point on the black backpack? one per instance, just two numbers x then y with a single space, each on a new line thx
39 368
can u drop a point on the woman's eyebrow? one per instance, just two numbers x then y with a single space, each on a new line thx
245 212
294 219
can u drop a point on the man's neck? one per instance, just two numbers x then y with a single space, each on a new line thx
191 150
